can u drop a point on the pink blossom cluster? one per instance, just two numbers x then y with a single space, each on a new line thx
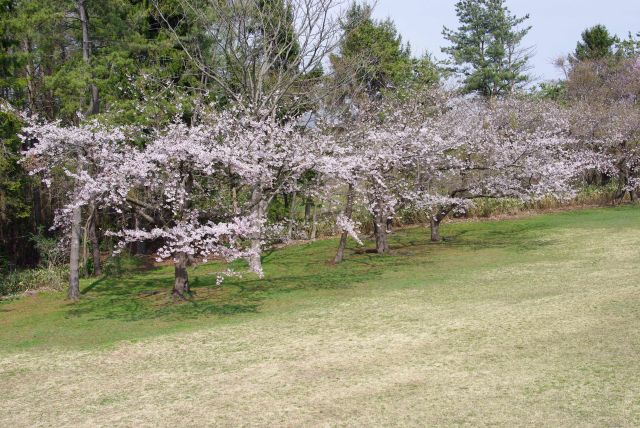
431 152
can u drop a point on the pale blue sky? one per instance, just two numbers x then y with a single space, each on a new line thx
557 24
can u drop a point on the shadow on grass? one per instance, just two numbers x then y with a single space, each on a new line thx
138 296
522 236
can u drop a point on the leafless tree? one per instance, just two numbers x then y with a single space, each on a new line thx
263 53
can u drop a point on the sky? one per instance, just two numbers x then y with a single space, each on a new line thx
557 25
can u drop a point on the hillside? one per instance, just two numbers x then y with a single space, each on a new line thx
529 321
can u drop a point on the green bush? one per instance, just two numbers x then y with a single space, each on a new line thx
51 253
597 195
52 278
489 207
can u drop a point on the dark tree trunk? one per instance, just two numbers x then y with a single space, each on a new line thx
74 260
436 220
31 89
341 247
308 205
181 285
141 248
38 218
348 212
95 243
435 229
84 266
94 103
382 243
94 107
286 202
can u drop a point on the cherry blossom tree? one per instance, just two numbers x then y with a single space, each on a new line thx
71 158
369 155
276 154
604 97
203 189
175 183
512 148
612 130
343 166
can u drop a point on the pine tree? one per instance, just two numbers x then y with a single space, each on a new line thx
629 47
486 48
373 51
597 43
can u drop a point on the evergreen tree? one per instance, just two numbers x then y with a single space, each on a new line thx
629 47
280 31
372 53
141 74
486 48
425 72
10 58
597 43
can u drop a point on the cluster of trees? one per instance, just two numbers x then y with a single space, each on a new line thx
184 124
66 59
603 82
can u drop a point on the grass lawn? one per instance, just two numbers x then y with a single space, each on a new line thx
533 321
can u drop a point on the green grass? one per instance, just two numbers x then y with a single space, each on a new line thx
530 322
135 305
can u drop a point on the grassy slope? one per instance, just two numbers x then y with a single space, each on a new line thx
527 321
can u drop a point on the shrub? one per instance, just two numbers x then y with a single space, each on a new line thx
51 278
52 253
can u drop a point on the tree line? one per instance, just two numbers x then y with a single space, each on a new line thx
193 129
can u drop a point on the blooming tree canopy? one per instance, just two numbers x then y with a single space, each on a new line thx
428 151
512 148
